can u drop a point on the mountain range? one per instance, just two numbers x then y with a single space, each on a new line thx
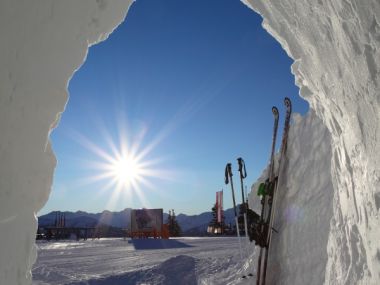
190 224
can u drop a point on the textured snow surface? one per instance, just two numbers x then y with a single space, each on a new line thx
304 206
336 48
42 44
182 261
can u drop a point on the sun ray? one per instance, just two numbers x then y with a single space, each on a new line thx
111 202
121 169
88 144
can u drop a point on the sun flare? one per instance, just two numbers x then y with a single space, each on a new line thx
126 170
122 169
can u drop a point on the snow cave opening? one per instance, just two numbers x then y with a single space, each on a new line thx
335 48
128 81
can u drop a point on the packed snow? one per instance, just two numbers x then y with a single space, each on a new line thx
336 49
304 206
42 44
328 211
185 261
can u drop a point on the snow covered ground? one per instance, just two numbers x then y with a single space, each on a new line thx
187 260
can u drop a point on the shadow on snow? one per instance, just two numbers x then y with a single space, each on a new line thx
174 271
141 244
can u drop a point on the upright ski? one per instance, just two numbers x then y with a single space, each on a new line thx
276 183
264 199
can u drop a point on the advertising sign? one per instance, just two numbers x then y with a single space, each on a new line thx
146 220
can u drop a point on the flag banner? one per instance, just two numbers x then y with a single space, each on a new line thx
219 205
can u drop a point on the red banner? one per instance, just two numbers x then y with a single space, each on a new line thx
219 205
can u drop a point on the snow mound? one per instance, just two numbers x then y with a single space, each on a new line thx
336 49
174 271
304 206
205 260
42 44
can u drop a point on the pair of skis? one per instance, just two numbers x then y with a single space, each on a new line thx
269 193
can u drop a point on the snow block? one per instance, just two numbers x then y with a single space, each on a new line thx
336 49
42 44
304 207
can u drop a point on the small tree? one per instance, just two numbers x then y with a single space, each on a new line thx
214 224
174 227
214 220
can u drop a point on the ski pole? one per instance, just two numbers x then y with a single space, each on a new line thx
247 207
246 196
227 178
243 175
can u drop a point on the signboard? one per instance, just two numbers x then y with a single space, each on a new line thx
146 220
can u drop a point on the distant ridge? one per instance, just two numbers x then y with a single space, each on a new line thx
83 219
190 224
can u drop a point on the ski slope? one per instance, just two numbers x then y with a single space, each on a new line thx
201 260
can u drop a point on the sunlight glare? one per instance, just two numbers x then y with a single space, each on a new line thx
126 170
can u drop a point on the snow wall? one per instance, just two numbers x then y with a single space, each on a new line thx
42 44
329 202
328 212
304 205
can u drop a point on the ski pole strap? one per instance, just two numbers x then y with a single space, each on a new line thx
242 170
227 173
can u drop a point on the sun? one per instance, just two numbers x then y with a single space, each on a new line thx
122 170
126 170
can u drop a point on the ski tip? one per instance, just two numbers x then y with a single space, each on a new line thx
275 110
244 276
287 102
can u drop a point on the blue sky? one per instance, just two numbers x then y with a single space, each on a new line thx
190 82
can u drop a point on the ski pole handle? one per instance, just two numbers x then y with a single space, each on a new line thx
242 169
243 174
227 173
227 179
